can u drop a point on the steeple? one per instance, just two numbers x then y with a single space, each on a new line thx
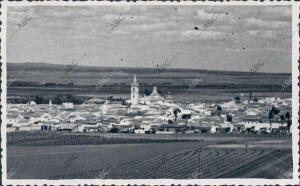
134 91
134 82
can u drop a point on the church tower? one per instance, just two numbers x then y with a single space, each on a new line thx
134 92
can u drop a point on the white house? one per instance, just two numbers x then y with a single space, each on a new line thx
258 124
75 118
32 103
68 105
89 128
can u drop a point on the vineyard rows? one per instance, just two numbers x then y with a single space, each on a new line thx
188 164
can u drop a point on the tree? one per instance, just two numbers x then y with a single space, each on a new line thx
69 98
160 92
186 117
288 117
274 111
250 96
237 99
282 118
255 99
147 92
57 100
175 112
229 118
170 122
219 110
114 130
70 84
38 99
270 116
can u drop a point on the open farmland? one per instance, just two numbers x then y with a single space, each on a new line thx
53 138
220 156
200 163
48 79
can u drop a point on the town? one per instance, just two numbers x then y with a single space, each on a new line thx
154 114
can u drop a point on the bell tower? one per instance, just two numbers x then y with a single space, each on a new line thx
134 92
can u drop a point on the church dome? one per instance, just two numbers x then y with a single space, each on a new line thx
154 92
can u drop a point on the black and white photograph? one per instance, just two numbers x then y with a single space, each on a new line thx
161 92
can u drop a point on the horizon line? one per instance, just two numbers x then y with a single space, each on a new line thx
178 68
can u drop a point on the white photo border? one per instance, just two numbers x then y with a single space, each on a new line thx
245 181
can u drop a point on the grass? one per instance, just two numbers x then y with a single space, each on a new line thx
53 138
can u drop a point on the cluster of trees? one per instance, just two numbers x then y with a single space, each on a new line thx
56 99
147 92
272 113
283 117
217 112
176 112
59 99
49 84
185 117
238 99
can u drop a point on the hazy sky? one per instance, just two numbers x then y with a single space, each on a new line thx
200 37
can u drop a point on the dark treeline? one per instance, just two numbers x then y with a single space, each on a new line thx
158 84
147 92
55 99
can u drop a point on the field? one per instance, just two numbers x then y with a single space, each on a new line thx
31 79
211 156
53 138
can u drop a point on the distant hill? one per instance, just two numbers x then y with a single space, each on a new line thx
52 79
81 68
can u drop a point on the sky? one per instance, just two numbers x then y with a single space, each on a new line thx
231 38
